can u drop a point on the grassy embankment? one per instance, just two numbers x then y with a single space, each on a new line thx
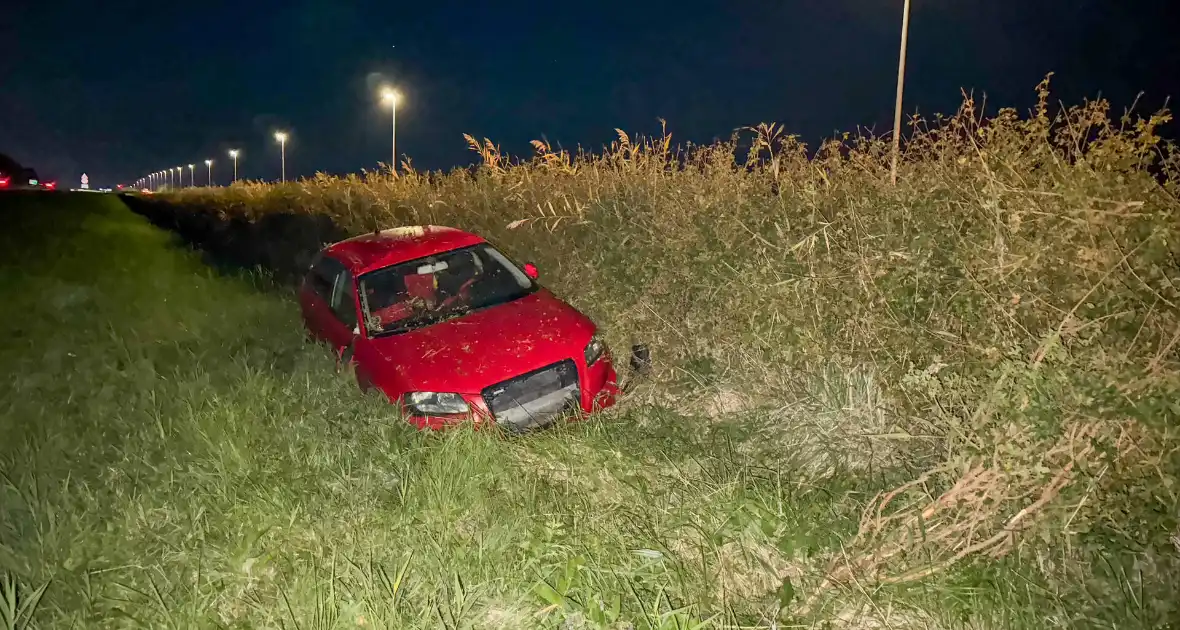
948 403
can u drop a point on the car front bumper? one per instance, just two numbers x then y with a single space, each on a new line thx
597 389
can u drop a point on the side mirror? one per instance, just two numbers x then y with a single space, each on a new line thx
530 270
641 358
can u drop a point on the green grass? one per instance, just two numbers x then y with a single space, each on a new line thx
949 403
175 455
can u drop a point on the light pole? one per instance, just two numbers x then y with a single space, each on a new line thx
171 177
233 153
905 33
282 138
180 177
209 165
192 177
389 95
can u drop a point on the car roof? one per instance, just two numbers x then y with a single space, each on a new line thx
364 253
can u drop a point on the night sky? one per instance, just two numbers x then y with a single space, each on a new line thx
120 88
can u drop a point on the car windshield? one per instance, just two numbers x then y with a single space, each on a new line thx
429 290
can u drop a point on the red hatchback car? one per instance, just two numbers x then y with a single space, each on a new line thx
452 330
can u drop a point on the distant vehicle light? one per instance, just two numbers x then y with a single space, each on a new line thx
3 182
50 185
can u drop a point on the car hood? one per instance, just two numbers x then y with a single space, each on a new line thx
469 353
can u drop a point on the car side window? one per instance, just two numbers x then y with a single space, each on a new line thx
342 303
322 276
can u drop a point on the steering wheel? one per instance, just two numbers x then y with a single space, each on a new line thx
462 292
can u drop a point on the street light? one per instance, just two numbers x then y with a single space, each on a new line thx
281 136
192 178
905 33
233 153
390 95
180 176
209 165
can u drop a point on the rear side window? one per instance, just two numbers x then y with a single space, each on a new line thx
322 276
332 282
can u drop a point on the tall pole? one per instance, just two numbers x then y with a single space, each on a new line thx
209 165
905 32
281 136
390 95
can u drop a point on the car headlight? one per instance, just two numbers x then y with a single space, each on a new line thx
594 350
432 403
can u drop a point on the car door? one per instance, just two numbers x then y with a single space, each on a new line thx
327 300
314 293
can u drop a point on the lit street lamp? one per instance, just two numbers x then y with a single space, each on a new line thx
180 177
209 165
390 95
281 136
233 153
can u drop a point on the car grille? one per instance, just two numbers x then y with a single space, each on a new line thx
536 398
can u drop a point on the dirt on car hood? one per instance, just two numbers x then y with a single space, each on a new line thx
469 353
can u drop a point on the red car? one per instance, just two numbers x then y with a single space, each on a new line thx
452 330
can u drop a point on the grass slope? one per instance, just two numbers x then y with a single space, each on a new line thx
175 456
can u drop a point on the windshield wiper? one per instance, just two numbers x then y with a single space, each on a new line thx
423 322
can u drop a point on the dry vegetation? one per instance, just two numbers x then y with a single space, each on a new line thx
997 338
